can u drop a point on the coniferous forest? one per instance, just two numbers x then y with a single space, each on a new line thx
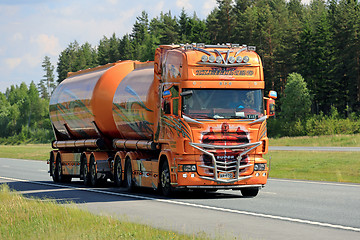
310 54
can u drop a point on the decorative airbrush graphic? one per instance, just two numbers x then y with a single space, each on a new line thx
132 113
176 125
75 113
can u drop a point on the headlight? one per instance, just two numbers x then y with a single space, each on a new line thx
204 58
259 166
246 59
187 168
238 59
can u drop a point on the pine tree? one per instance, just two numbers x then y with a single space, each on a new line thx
346 25
47 84
140 28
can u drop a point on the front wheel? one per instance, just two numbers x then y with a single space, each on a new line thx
250 192
165 183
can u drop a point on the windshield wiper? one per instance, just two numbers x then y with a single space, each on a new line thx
201 116
238 117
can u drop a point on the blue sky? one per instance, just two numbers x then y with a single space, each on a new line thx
33 29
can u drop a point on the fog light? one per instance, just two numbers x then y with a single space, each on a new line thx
218 59
239 59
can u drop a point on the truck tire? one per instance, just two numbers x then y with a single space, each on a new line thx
92 172
250 192
53 167
58 171
130 184
165 183
118 172
85 172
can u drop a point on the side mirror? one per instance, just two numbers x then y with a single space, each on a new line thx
270 103
273 94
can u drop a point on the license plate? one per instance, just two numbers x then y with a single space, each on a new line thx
226 175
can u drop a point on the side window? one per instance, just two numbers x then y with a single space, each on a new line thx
175 96
171 101
167 108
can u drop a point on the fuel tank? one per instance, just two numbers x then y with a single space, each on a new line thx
116 100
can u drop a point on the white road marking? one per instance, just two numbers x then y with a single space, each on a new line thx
289 219
313 182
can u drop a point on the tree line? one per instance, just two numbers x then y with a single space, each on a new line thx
319 41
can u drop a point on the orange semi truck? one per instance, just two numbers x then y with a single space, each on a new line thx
194 118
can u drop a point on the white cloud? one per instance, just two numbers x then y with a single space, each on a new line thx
113 2
17 37
12 63
208 6
160 6
46 44
184 4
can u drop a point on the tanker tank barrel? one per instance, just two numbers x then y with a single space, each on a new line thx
83 143
135 144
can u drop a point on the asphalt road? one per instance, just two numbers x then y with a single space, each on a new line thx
284 209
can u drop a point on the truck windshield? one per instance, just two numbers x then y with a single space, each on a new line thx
223 103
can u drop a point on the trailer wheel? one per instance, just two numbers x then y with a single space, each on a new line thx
92 172
165 184
58 171
53 167
118 172
249 192
85 172
130 184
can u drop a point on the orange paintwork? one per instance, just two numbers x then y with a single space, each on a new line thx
125 101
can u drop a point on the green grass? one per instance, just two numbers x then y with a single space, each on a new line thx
317 166
28 151
23 218
318 141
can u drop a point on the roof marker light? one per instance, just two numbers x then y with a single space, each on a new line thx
211 58
231 59
246 59
204 58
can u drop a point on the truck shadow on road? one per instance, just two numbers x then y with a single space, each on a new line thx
76 192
